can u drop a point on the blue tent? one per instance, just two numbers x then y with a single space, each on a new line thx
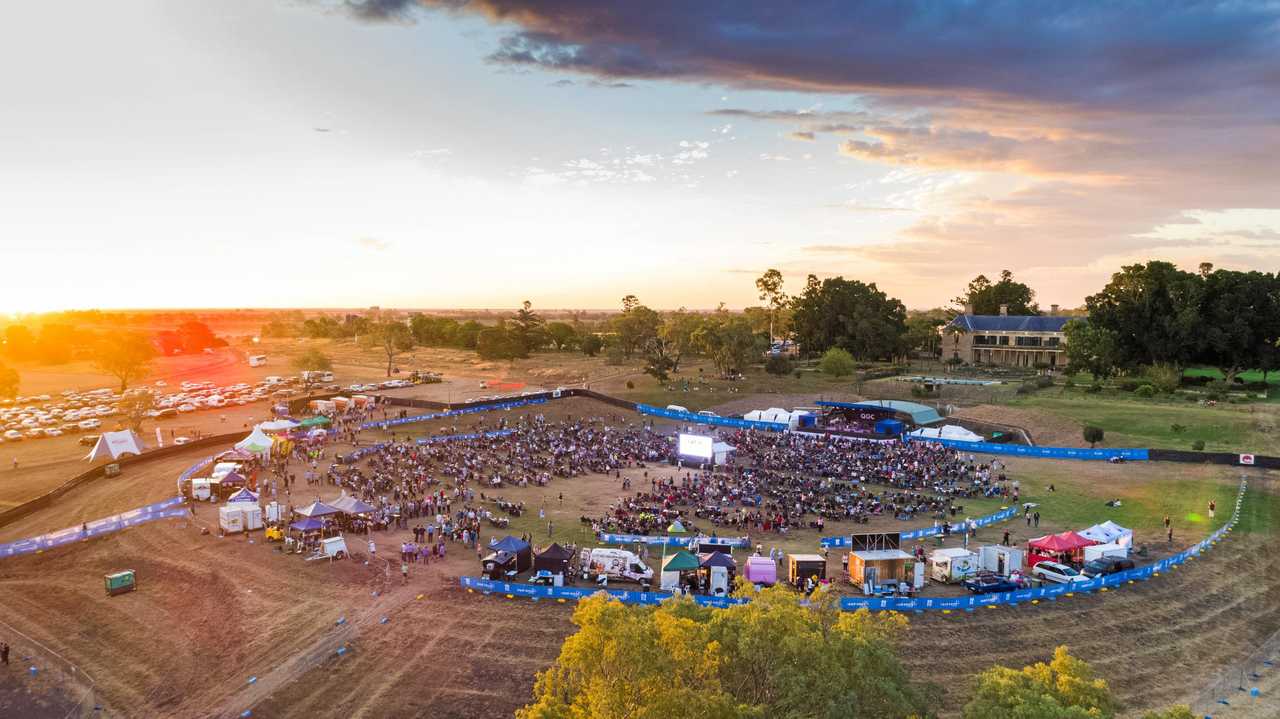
317 509
309 524
243 495
520 548
890 426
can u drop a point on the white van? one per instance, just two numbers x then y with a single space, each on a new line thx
257 360
273 379
615 564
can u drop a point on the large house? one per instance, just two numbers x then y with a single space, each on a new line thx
1004 339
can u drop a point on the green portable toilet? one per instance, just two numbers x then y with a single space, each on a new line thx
121 582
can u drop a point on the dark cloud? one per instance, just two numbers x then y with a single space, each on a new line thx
1103 54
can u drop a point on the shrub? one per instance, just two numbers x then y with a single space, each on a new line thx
1093 435
836 362
1044 382
1218 385
797 374
1177 428
1164 377
1026 388
1069 384
1130 384
1145 390
1094 388
1198 445
778 365
631 385
614 355
921 390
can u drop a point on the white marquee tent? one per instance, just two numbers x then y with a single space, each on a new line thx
948 431
1109 533
256 443
114 445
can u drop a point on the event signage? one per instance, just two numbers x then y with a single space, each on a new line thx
98 527
714 421
1023 450
1002 515
388 423
606 538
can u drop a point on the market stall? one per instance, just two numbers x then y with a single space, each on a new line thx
1067 548
716 571
1109 532
517 547
871 569
678 570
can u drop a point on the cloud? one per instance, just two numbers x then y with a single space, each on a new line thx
1077 52
373 244
803 135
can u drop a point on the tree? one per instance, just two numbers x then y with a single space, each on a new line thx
19 343
8 382
135 407
678 330
924 332
778 365
499 343
1093 435
1155 309
1239 312
1091 348
770 657
313 360
729 343
526 329
836 362
658 362
591 345
986 297
635 326
196 337
126 356
1065 688
562 335
851 315
393 338
770 286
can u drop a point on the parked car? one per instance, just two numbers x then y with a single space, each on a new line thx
90 424
990 582
13 435
1057 573
89 439
1106 565
182 440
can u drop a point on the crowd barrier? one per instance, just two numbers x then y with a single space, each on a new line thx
98 527
837 542
460 437
388 423
606 538
1023 450
694 418
917 604
538 591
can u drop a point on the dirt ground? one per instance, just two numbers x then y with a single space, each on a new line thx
211 613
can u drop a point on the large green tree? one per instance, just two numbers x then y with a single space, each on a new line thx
527 329
8 382
770 286
1241 312
851 315
986 296
392 337
771 657
729 343
125 356
1151 313
1064 688
636 326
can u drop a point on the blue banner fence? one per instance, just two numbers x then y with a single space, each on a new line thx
897 604
606 538
96 528
388 423
1022 450
694 418
1007 513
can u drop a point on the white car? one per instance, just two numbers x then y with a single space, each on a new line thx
13 435
90 424
181 440
186 408
35 433
1057 573
53 432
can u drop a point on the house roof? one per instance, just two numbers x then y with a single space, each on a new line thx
1012 323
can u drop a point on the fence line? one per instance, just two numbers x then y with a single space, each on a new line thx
86 702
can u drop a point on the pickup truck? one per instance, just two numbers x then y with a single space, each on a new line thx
990 583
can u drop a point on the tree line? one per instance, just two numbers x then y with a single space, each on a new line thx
773 657
1155 315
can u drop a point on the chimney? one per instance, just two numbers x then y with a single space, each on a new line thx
1004 310
968 308
1053 310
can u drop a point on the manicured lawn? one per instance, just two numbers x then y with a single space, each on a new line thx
1252 375
1147 423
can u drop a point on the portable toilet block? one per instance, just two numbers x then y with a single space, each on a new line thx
121 582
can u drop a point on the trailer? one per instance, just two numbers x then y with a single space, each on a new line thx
121 582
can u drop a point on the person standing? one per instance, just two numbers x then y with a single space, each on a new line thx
404 571
1036 517
1213 507
4 654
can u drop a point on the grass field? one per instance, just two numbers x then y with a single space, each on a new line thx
1144 423
1252 375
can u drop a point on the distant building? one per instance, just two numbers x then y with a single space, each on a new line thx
1010 340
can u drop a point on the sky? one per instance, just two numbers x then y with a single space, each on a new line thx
330 153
